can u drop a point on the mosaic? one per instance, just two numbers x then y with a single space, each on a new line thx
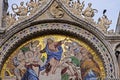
53 57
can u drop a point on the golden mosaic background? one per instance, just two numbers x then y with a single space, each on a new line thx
8 64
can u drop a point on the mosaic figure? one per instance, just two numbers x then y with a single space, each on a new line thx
54 52
30 73
63 59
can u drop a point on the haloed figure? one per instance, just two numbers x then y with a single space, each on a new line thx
54 53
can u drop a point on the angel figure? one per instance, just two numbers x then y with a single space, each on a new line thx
68 68
20 10
10 19
32 5
30 73
89 13
19 63
79 7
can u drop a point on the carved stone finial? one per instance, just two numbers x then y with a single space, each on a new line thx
89 13
111 31
9 19
78 7
32 6
104 22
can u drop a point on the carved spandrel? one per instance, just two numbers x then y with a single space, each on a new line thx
56 11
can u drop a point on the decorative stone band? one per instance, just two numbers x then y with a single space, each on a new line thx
104 53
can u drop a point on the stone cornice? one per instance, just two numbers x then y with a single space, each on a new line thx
112 37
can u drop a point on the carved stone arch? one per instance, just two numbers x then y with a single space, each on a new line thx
117 53
117 50
20 35
117 46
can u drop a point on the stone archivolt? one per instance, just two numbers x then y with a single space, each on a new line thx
81 24
64 28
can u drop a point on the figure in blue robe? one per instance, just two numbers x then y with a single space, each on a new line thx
50 54
30 75
91 76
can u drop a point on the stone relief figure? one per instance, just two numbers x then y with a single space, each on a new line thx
10 19
32 6
104 22
69 3
56 11
20 10
78 7
111 31
89 12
